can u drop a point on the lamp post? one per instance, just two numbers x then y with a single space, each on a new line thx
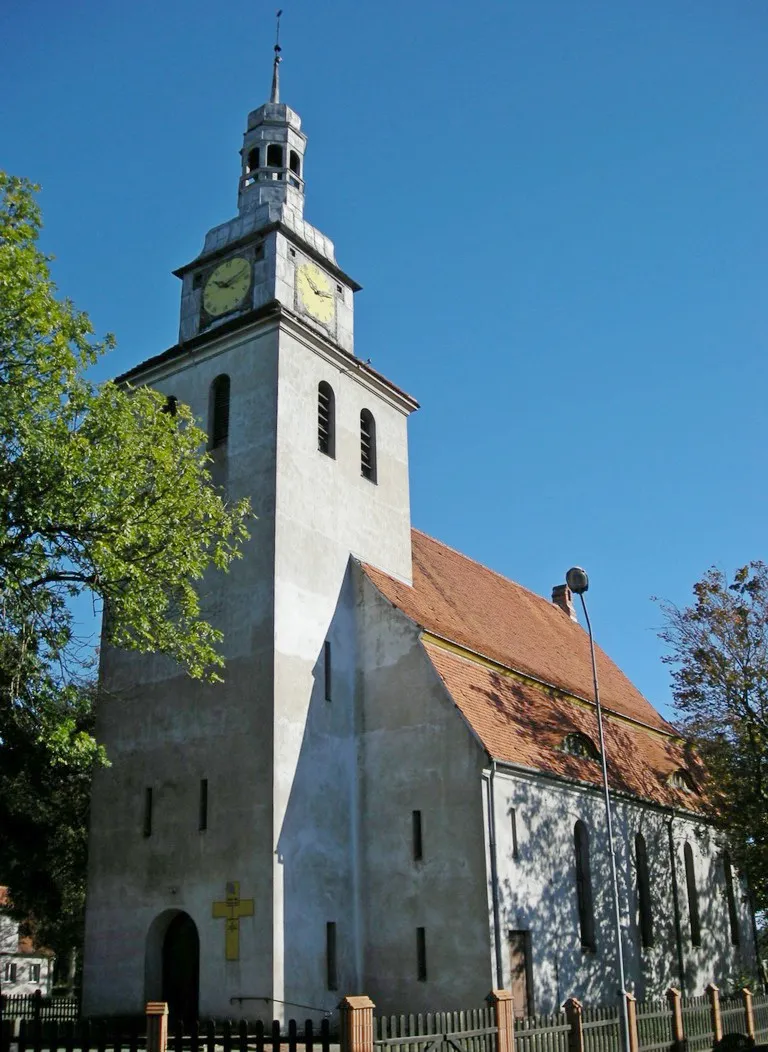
578 582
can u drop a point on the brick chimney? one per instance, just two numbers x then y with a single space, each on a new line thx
563 597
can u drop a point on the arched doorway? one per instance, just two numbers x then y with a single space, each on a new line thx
181 968
172 964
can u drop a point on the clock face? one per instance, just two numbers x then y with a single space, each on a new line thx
227 286
315 292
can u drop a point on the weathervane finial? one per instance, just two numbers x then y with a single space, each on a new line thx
275 96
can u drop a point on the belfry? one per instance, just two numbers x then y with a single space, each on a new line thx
395 790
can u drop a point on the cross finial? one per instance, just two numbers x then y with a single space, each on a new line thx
275 96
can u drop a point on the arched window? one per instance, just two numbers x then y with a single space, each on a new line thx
367 445
253 159
693 897
218 412
733 916
275 155
584 887
295 162
326 419
643 891
577 744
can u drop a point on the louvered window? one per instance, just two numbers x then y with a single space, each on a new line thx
219 412
584 887
367 445
326 419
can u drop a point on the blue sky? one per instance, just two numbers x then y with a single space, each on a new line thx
556 208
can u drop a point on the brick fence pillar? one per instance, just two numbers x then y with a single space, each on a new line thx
157 1026
501 1002
631 1000
356 1018
749 1015
713 993
573 1011
674 999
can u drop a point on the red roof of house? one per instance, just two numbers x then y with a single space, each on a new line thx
523 719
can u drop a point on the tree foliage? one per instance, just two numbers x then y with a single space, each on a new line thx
719 653
102 492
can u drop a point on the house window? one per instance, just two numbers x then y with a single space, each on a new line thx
693 897
202 823
148 811
577 744
218 412
584 887
367 445
733 916
513 830
274 155
332 979
421 954
418 847
327 670
34 973
643 891
10 971
326 419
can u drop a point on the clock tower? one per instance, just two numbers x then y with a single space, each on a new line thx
223 847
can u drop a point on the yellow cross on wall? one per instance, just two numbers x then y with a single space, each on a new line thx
231 910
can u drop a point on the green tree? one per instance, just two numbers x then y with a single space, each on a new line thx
103 491
718 648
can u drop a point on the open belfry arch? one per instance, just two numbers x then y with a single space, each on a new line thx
395 789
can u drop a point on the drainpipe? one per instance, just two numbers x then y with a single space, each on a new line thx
676 906
494 876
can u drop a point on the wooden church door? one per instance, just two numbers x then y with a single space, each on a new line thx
520 972
181 969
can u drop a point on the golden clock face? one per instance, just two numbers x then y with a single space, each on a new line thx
227 286
315 292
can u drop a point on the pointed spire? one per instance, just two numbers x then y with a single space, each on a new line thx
275 96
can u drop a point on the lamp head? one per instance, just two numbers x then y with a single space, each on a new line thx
577 580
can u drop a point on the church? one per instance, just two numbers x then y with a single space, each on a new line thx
396 791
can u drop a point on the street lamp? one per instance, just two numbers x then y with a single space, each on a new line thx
578 582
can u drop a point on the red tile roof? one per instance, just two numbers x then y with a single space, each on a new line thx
524 722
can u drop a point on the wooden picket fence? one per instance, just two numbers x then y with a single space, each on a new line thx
693 1024
35 1006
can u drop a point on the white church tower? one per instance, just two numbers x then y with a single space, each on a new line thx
217 876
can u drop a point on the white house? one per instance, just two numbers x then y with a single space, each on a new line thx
396 791
24 968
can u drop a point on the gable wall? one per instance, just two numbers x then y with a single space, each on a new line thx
417 753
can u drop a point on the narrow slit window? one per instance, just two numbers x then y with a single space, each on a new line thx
367 445
332 979
733 916
275 155
421 954
218 413
327 669
513 830
326 419
584 887
203 814
418 846
693 897
643 891
148 811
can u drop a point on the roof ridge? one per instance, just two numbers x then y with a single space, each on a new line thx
496 573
